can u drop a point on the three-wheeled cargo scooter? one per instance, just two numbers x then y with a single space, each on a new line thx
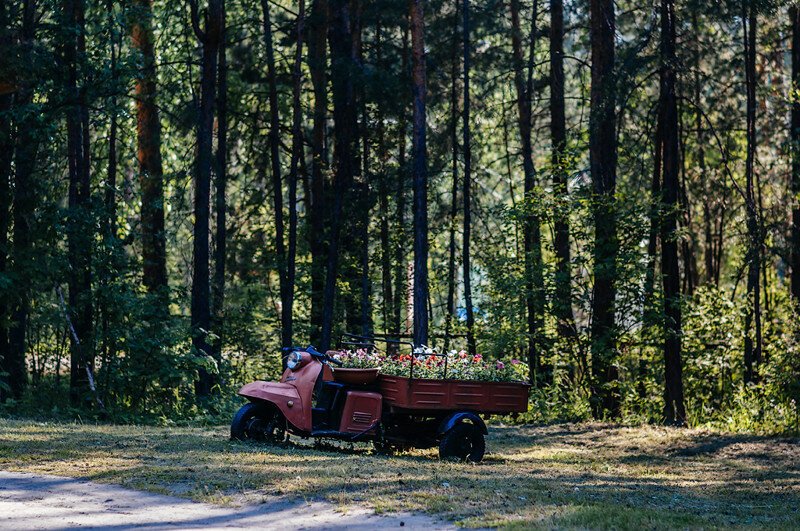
314 399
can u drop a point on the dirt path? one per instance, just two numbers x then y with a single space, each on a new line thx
33 501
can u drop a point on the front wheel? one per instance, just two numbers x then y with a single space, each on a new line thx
463 442
258 422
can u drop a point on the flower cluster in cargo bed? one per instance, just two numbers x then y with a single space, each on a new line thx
427 364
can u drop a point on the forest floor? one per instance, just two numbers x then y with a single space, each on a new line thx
559 476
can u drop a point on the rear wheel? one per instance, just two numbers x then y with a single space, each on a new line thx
463 442
258 422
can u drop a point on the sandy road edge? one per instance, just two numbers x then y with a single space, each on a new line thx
37 501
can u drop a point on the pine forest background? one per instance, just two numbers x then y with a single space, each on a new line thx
605 190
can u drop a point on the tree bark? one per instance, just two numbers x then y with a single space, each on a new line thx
277 182
534 277
605 398
562 303
752 347
79 231
220 185
24 201
420 174
209 38
297 156
451 258
343 67
365 200
6 156
148 137
106 303
317 66
467 212
400 277
794 138
674 410
384 192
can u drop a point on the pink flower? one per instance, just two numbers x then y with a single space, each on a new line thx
477 358
462 354
500 365
515 362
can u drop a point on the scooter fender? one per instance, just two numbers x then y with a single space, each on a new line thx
460 417
284 396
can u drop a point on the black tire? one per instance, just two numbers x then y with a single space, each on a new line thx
258 422
463 442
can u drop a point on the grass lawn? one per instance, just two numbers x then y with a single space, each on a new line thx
559 476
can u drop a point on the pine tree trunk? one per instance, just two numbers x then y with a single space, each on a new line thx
6 156
366 203
209 38
344 64
148 137
674 410
79 231
400 277
752 346
277 180
605 398
451 257
24 201
467 213
220 185
383 199
317 66
109 220
562 304
419 174
534 277
297 157
794 138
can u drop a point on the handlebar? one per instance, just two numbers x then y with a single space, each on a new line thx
314 352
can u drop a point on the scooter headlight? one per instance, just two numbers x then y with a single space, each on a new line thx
295 360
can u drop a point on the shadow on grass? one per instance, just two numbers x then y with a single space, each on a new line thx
575 475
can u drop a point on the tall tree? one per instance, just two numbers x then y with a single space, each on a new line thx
384 191
752 347
294 164
106 306
317 67
562 301
674 410
343 69
451 258
220 185
419 173
363 190
534 279
794 138
26 149
6 156
80 223
277 180
467 217
603 166
148 138
209 37
400 286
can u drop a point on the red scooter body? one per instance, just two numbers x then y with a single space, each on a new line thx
294 397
